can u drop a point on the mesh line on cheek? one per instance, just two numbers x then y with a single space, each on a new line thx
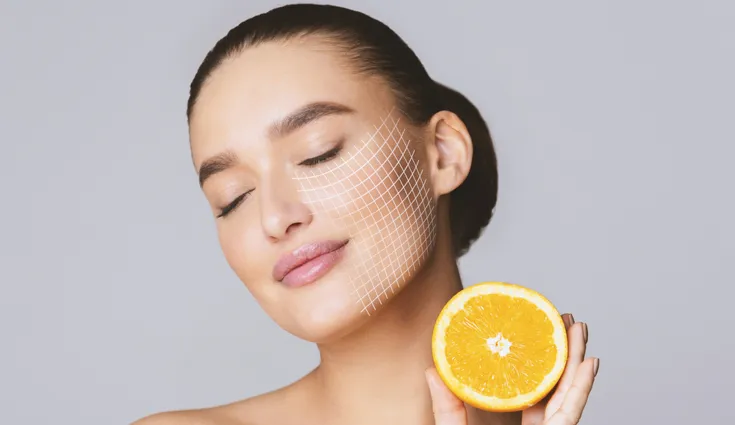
421 210
398 234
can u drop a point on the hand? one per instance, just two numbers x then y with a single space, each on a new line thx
563 406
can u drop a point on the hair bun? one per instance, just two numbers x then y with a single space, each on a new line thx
473 202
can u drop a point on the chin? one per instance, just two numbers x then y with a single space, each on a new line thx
321 313
330 332
332 307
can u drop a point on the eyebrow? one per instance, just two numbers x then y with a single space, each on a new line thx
305 115
216 164
279 129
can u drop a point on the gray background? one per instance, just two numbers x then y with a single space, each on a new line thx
614 130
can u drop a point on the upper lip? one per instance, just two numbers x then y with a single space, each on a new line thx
302 255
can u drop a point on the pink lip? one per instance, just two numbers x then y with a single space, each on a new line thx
308 263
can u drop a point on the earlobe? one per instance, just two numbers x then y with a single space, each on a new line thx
450 152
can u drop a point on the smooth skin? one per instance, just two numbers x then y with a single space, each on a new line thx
373 369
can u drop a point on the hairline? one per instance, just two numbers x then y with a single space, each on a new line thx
327 36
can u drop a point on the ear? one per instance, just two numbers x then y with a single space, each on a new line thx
449 151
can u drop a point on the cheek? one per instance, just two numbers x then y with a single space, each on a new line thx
380 196
346 191
400 230
242 247
378 179
398 212
380 187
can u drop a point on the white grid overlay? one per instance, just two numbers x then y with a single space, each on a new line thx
381 195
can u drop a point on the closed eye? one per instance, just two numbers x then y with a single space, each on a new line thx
234 204
326 156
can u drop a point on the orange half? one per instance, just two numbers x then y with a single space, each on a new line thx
499 347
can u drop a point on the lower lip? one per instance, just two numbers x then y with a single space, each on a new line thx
314 269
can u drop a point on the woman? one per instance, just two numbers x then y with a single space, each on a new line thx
345 184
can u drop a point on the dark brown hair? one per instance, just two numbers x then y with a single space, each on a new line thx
376 50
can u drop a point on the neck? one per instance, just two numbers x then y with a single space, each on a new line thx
383 363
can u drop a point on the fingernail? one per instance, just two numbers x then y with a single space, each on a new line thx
596 365
585 332
571 319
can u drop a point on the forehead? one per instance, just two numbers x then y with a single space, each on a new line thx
265 83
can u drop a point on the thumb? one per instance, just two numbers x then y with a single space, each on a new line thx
448 409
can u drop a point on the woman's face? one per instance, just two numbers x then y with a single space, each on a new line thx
323 203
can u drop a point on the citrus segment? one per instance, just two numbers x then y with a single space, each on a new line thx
499 346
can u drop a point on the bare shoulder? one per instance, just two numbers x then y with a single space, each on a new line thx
263 409
190 417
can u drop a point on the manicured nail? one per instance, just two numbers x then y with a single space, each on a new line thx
596 365
585 332
568 320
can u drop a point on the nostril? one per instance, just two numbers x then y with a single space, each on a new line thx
293 227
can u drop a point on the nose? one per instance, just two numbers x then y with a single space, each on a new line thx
282 210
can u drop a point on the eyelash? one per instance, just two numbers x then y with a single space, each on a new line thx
234 204
326 156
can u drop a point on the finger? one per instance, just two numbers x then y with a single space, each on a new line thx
570 411
534 415
568 320
448 409
577 349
